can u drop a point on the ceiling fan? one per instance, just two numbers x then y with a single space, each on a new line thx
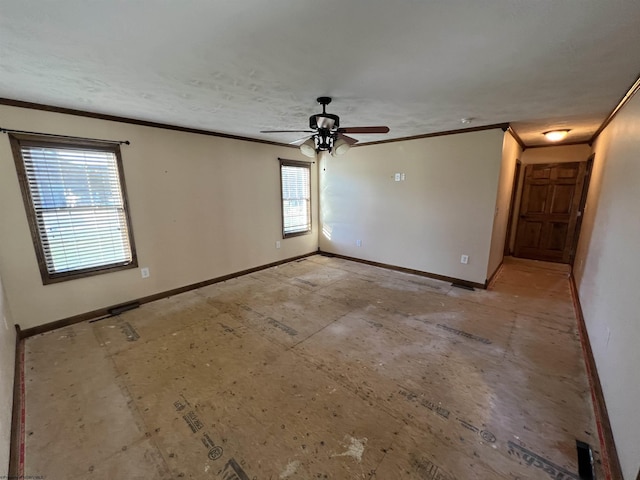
326 133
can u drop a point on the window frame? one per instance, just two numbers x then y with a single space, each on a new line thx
19 140
300 164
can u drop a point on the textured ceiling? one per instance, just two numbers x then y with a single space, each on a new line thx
238 67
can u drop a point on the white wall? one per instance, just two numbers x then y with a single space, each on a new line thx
201 207
511 152
607 272
443 209
556 154
7 360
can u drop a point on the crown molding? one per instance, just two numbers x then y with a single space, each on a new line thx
133 121
502 126
625 98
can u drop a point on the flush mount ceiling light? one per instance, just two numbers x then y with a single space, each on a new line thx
556 135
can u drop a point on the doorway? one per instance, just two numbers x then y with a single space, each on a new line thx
550 208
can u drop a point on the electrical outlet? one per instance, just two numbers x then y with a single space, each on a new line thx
464 259
358 243
397 177
278 244
144 271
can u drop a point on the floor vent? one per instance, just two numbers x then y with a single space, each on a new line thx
585 461
123 308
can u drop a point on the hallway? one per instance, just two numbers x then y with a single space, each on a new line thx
319 368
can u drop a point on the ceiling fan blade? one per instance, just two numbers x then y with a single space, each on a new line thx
300 141
287 131
378 129
349 140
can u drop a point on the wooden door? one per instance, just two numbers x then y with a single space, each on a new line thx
549 211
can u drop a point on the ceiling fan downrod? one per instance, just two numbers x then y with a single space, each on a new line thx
324 101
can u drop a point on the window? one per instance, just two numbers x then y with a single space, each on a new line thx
296 197
75 199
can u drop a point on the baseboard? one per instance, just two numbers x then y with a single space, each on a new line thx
489 282
609 453
16 412
103 312
457 281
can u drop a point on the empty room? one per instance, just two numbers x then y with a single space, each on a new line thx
331 240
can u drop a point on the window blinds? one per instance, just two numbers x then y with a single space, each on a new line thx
296 199
78 207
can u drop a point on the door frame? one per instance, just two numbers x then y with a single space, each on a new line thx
581 207
512 205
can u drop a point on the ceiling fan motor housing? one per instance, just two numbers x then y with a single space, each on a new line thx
324 140
324 120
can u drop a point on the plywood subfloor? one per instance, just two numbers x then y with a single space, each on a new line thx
320 368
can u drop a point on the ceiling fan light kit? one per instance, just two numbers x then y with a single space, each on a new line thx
308 148
340 147
326 133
